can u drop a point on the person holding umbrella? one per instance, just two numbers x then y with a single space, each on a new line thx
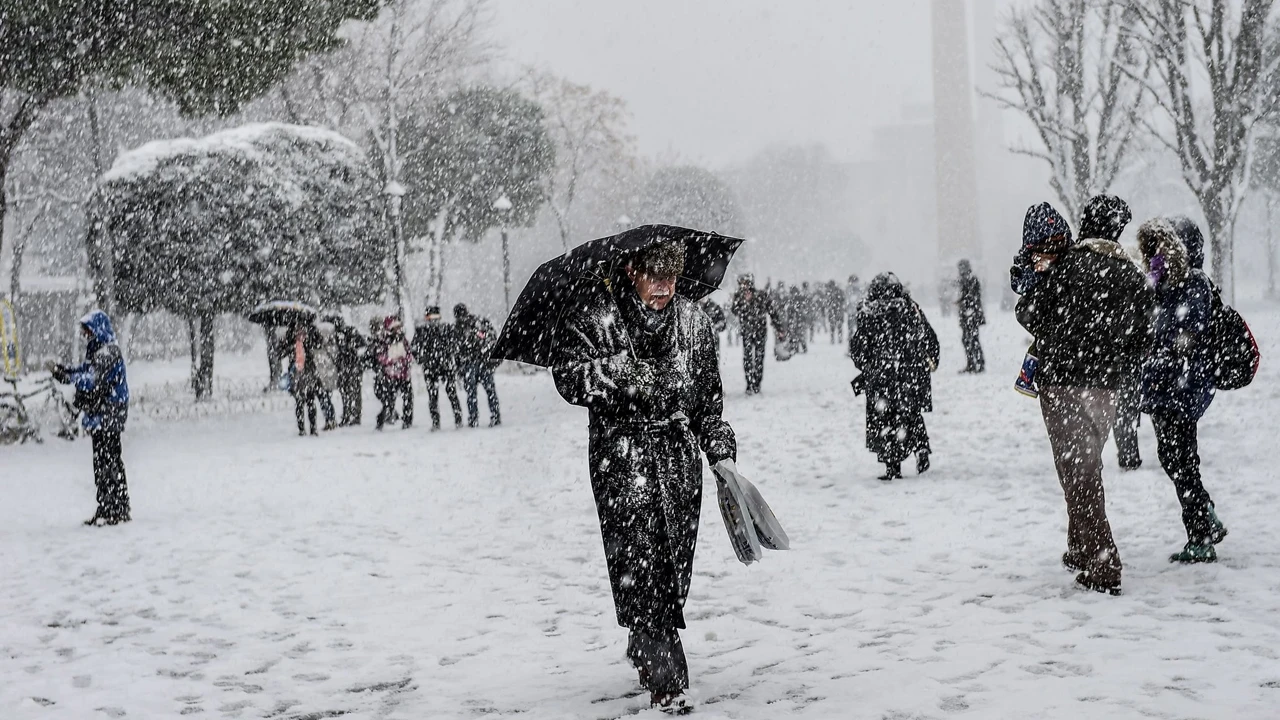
645 362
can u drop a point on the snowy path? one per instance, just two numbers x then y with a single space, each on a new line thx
410 575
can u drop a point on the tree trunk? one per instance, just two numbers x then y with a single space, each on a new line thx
204 372
15 267
97 242
273 359
1272 293
195 351
1221 239
506 273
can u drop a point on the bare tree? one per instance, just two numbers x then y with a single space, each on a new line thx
1069 66
588 128
1221 43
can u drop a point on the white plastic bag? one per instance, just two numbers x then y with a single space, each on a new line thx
747 517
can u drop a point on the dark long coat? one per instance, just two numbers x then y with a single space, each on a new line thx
651 381
896 349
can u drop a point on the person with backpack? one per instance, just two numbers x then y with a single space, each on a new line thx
299 348
476 337
102 395
435 348
1177 378
896 349
1089 310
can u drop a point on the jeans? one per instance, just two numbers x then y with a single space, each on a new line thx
1078 421
388 389
474 374
433 397
753 359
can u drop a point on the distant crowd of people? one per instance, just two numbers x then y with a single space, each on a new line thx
330 356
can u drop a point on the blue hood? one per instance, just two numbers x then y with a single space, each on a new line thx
100 325
1192 240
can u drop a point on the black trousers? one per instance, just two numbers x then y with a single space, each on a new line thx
433 396
352 402
388 389
1128 401
304 407
1179 451
975 361
753 359
659 656
108 475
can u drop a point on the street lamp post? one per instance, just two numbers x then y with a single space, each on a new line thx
395 193
503 206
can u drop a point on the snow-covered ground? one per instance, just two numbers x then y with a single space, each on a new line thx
460 574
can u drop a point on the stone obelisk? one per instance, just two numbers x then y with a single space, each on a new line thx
953 133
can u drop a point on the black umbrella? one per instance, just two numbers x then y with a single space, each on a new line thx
283 312
529 334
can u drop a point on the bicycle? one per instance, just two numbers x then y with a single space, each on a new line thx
18 425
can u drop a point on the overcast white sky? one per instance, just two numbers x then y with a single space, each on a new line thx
712 81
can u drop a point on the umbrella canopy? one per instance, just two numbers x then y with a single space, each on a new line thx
283 312
530 331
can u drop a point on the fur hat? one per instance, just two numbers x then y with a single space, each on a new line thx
662 258
1163 254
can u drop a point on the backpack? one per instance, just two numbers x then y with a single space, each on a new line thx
1232 348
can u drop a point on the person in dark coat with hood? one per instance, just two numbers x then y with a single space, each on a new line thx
299 348
972 317
896 349
102 395
1177 378
645 363
435 347
1090 314
1104 217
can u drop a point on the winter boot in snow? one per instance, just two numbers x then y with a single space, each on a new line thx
1193 553
922 462
97 515
1073 560
892 471
676 703
1096 583
1219 531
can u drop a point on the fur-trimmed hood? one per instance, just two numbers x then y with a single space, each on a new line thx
1158 238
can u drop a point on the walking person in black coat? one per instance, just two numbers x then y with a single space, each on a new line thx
645 363
476 336
972 317
1177 377
896 349
1104 217
435 347
300 346
1090 314
348 350
754 309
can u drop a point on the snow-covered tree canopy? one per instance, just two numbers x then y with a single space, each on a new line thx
262 211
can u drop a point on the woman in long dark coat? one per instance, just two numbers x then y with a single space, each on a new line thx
896 349
645 362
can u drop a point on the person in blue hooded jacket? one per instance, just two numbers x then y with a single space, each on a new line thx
1177 378
102 394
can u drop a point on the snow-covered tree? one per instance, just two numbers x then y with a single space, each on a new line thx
475 146
1221 46
593 149
207 57
690 196
221 223
1072 69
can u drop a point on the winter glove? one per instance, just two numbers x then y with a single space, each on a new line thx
59 372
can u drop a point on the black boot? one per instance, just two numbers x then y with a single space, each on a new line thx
922 461
892 471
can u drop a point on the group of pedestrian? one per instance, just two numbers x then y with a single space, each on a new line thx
1112 330
331 355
